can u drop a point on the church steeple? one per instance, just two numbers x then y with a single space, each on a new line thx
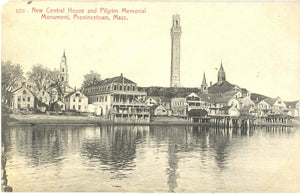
204 85
64 70
221 75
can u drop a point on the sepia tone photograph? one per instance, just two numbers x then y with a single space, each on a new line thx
150 97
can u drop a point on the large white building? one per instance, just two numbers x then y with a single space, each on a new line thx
120 97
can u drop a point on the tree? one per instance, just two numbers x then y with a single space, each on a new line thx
56 82
91 78
40 76
11 75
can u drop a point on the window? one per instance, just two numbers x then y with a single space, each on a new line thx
24 91
80 99
28 105
73 107
115 87
105 98
28 99
73 99
79 107
43 93
23 98
77 95
62 70
19 98
62 78
19 105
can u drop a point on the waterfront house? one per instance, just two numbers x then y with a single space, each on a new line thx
22 98
277 105
246 101
292 109
183 103
76 101
229 110
227 101
119 97
158 110
271 106
166 102
43 96
152 100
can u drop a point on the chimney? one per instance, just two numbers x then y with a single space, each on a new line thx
121 74
210 83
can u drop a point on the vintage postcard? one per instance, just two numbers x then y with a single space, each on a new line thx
132 96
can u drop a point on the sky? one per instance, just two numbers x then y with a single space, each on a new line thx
257 42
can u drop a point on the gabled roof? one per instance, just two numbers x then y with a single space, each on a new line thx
291 104
118 79
156 98
25 88
256 98
70 94
270 101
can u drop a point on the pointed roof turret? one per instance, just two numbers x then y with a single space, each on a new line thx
221 74
204 80
64 55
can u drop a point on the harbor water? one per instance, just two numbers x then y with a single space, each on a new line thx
69 158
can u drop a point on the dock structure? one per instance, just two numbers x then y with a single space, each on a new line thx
249 122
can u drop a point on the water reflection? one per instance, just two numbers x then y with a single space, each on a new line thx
114 148
116 154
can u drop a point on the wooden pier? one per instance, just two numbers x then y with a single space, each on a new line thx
248 121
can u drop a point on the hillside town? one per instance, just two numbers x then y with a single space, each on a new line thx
120 99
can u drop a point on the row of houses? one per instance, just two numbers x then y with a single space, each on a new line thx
24 98
120 97
234 103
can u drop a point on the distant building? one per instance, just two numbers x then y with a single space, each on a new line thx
76 101
22 98
175 52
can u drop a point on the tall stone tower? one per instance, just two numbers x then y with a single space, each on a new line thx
175 52
64 71
204 88
221 75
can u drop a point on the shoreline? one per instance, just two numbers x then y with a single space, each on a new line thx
37 119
